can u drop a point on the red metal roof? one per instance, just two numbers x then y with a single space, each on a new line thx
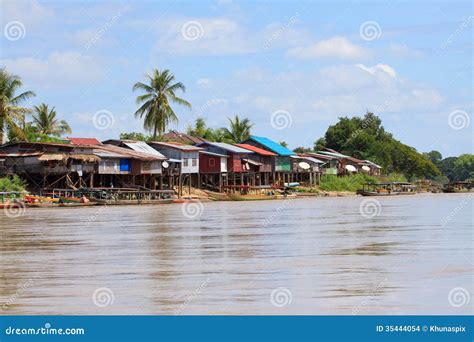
258 150
84 141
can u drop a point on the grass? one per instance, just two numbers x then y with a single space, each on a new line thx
13 183
346 183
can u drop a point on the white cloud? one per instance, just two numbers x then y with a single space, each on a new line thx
322 96
384 68
29 13
216 36
58 69
403 51
336 47
204 82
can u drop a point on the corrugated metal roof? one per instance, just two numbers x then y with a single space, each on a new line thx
228 147
143 147
272 146
21 154
84 141
373 164
214 154
178 146
122 152
257 150
311 159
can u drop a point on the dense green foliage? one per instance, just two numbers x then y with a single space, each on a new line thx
454 168
135 136
365 138
12 115
238 130
155 102
44 127
13 183
346 183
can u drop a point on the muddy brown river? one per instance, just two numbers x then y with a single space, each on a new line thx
347 255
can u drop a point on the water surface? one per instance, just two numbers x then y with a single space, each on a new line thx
304 256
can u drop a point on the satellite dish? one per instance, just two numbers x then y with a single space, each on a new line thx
351 168
304 165
365 168
165 164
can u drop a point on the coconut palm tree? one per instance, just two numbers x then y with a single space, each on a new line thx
45 121
155 106
238 131
11 113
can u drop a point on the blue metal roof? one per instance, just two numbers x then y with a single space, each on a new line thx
272 146
227 147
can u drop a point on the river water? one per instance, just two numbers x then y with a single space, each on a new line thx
345 255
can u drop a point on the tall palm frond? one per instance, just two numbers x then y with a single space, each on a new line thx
155 108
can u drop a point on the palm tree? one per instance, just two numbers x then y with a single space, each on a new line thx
239 130
45 121
155 103
11 114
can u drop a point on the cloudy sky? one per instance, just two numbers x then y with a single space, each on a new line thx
291 67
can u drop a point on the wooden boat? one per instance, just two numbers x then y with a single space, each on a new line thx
133 201
239 197
217 196
375 193
377 189
458 187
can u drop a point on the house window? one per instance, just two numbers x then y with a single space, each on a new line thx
124 165
212 162
185 162
194 162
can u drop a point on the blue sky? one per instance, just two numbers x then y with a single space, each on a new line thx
292 67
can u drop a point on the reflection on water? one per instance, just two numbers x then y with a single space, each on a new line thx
305 256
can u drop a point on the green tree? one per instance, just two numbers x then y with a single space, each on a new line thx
238 131
12 115
366 138
155 106
283 143
301 150
434 156
46 122
134 136
319 144
464 167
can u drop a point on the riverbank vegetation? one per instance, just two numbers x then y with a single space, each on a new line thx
366 138
44 125
360 137
12 183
